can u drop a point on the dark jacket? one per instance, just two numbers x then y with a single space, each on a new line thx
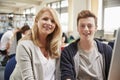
67 64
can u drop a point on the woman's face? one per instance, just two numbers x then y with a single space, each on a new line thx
86 28
46 23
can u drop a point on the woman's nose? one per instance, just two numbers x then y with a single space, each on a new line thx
49 22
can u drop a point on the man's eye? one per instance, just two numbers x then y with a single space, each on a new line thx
89 26
82 26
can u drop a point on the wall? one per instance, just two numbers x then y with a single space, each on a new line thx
111 3
77 6
94 7
44 3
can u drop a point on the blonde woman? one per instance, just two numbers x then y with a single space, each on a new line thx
38 52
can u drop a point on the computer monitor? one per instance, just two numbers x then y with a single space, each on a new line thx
114 34
99 34
114 73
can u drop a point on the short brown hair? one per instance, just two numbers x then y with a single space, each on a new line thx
85 14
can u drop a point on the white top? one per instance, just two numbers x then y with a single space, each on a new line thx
5 39
48 66
13 45
29 66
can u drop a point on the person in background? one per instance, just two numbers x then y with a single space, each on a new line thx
71 39
16 37
64 41
38 53
1 35
25 30
112 42
5 45
86 58
5 41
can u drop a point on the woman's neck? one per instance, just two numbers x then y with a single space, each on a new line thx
44 52
42 45
42 41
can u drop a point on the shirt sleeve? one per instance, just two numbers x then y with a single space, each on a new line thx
66 66
24 60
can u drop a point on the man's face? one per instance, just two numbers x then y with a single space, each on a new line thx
86 28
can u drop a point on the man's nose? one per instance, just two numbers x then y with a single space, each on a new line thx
86 28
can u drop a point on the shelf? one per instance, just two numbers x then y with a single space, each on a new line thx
15 21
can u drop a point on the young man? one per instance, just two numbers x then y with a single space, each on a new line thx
86 58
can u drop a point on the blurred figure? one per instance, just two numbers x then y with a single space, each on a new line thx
64 41
86 58
111 43
25 30
16 37
5 42
38 53
1 35
71 39
5 45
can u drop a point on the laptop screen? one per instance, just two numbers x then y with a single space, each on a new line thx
114 73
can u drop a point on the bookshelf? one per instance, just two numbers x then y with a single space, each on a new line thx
16 20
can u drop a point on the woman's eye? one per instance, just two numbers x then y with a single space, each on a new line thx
45 19
52 21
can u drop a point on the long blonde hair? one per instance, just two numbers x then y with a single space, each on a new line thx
53 39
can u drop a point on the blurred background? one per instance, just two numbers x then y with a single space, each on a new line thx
15 13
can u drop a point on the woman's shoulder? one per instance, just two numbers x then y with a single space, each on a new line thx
26 42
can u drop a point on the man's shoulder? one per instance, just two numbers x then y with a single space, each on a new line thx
71 49
102 47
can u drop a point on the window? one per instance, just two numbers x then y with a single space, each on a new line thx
111 19
29 11
64 21
32 10
62 8
64 3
